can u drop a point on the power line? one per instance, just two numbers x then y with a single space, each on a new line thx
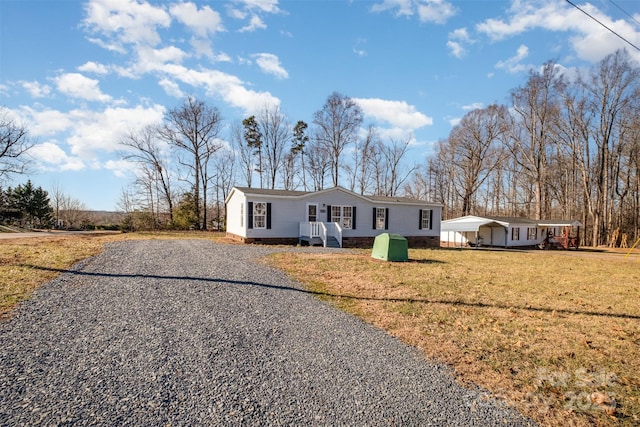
581 10
625 12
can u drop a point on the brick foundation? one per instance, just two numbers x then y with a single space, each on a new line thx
264 240
417 242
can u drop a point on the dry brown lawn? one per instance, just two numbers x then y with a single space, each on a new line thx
27 263
556 334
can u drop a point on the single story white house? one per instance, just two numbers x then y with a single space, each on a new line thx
333 217
509 232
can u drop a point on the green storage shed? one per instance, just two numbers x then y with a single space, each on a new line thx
390 247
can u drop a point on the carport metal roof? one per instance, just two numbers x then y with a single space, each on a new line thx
469 225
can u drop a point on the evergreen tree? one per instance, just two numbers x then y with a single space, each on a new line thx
31 205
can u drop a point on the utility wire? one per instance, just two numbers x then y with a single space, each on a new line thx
625 12
581 10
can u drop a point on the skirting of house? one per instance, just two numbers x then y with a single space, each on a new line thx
264 240
412 242
347 242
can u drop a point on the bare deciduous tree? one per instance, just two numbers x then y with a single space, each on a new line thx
14 143
337 125
613 86
144 148
475 150
193 130
536 106
244 153
276 135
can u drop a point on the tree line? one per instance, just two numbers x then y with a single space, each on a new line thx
565 145
561 148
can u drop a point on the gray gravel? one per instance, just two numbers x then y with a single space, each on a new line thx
189 332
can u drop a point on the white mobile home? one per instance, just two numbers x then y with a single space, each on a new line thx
332 217
508 232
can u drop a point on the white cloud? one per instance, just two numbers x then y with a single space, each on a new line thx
123 22
150 59
226 86
51 157
101 131
93 67
36 89
76 85
589 39
473 106
45 122
121 168
236 13
89 132
458 39
358 51
402 7
222 57
513 65
171 88
397 113
255 23
454 121
268 6
437 11
270 64
203 22
456 49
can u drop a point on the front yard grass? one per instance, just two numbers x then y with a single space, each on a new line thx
26 263
555 334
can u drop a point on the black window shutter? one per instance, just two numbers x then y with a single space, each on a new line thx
430 219
268 215
354 218
375 219
419 219
328 213
386 219
250 213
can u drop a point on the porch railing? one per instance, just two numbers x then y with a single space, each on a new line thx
323 230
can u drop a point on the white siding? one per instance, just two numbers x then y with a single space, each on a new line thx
234 225
524 241
288 212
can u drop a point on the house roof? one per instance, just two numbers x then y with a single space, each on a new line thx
302 194
473 223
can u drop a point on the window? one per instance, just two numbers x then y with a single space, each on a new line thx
336 214
380 218
312 213
515 233
259 215
532 233
425 219
343 215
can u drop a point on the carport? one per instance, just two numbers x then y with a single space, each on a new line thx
474 232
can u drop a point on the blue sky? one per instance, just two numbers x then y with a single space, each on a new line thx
80 74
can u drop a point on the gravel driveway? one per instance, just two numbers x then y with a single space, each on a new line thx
189 332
